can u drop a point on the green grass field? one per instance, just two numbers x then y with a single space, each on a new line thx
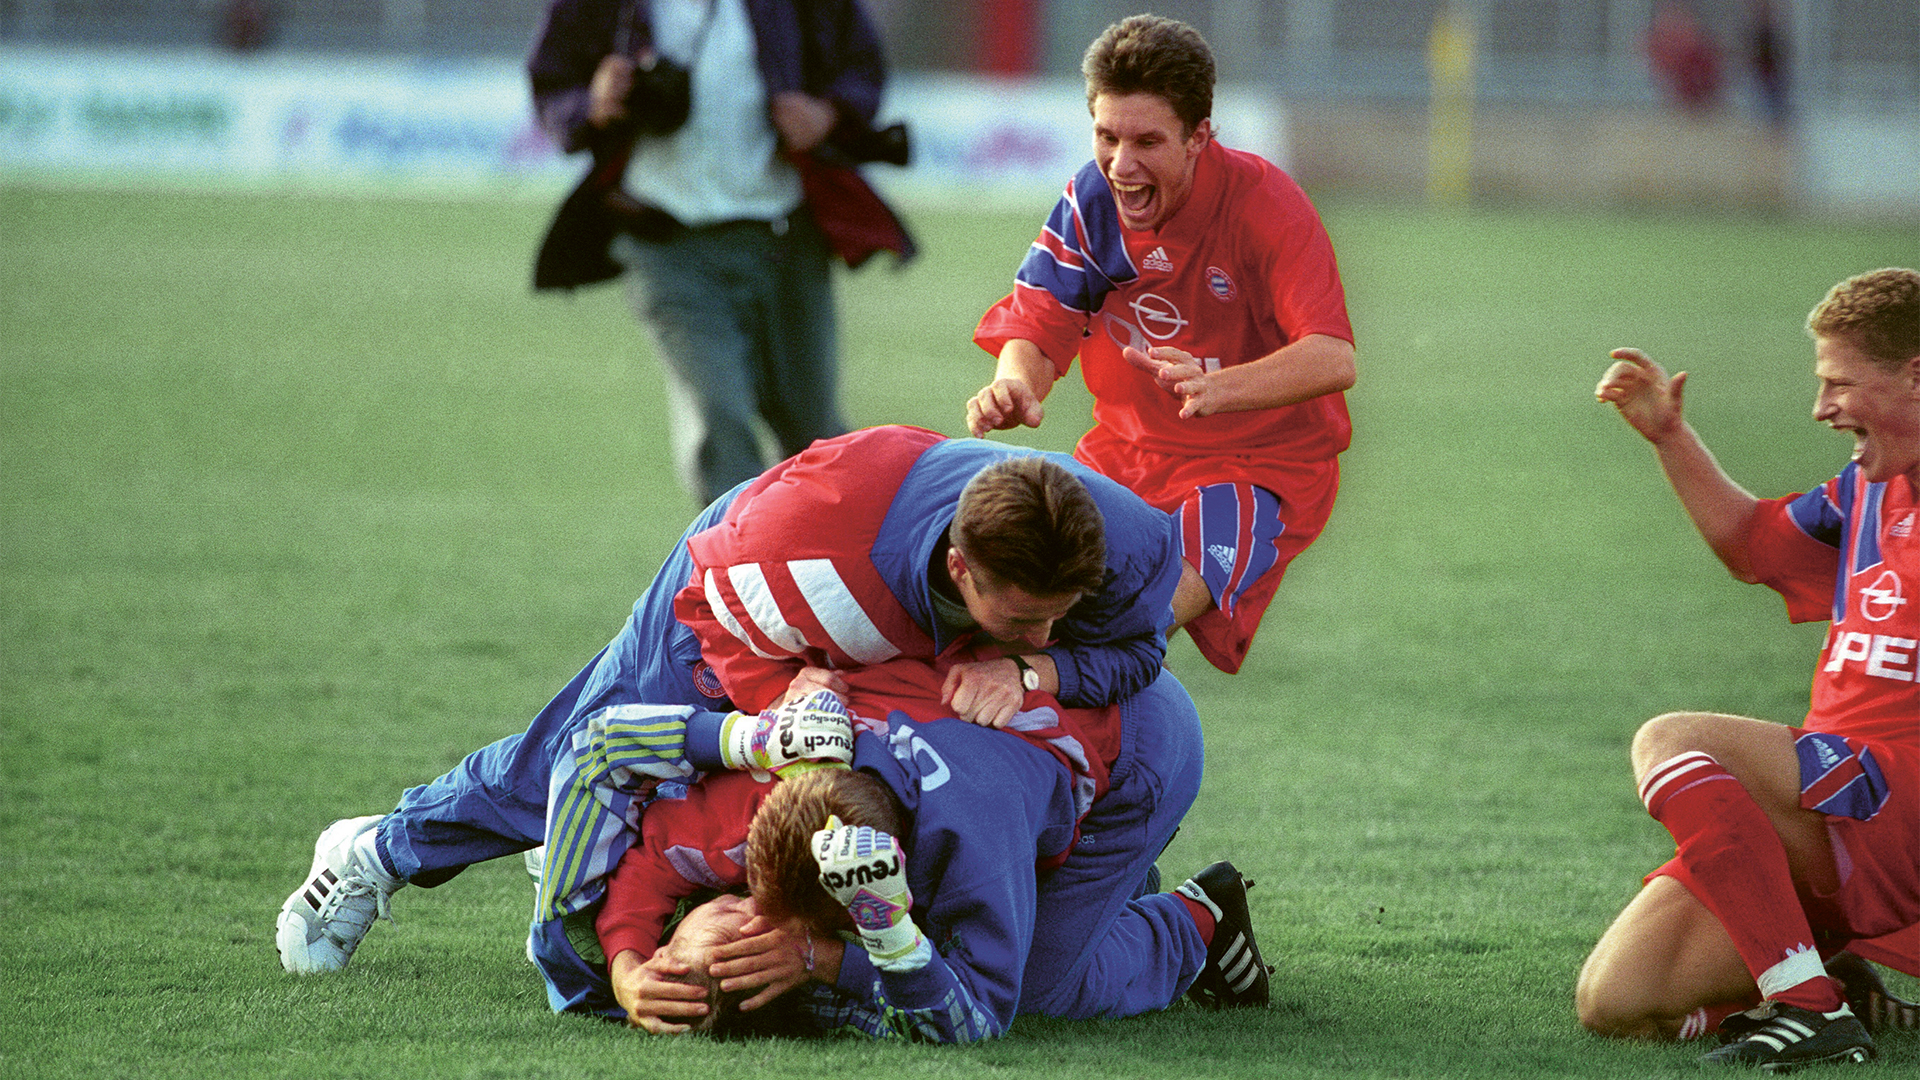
305 497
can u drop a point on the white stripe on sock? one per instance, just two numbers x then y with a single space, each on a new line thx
1670 770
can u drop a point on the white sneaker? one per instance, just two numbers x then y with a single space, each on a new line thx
323 921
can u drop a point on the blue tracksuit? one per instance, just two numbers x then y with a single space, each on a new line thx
577 778
1076 943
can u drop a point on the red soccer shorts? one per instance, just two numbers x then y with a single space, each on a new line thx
1243 520
1877 905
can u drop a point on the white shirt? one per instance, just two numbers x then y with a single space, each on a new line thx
722 165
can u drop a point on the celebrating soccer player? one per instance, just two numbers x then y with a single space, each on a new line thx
1794 843
1198 288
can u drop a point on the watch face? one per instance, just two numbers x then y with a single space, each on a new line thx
1030 679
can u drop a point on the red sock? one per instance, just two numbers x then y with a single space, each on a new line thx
1202 918
1739 871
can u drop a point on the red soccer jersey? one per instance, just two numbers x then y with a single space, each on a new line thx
1244 268
787 579
1846 551
697 841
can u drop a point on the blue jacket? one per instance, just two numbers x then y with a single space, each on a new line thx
826 48
983 808
770 590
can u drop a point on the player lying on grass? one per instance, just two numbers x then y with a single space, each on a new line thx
1198 289
889 542
1793 842
936 854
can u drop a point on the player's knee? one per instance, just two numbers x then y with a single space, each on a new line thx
1607 1015
1663 737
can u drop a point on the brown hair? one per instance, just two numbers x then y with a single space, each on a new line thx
1147 54
1879 311
781 870
1027 521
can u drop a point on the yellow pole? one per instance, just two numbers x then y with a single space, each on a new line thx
1450 52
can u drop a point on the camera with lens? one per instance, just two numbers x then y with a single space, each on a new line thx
661 96
864 145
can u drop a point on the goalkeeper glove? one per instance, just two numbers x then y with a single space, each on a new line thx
803 734
864 870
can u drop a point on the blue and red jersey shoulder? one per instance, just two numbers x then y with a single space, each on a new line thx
787 577
1846 552
1243 269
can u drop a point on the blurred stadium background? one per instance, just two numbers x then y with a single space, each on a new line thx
1536 99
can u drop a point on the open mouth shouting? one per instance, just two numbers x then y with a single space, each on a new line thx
1147 155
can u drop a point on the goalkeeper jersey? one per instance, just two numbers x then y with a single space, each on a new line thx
989 812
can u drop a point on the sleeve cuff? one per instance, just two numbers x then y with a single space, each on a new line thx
703 740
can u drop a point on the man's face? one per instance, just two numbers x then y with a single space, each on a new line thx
1878 407
1146 155
1007 612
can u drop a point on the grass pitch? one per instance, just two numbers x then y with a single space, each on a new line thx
302 498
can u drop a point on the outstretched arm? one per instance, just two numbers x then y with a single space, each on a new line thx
1021 380
1651 403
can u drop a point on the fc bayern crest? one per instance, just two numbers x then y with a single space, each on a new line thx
1220 284
705 681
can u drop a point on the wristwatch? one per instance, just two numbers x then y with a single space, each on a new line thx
1029 678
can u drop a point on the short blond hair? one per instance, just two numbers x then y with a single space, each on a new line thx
1879 311
781 870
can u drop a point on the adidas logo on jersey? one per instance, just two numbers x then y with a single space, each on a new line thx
1223 555
1157 260
1903 527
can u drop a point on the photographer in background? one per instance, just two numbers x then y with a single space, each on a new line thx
723 135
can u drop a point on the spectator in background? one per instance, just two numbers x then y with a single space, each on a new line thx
246 25
1685 59
706 120
1767 54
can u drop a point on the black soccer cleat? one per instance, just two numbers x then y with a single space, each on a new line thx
1779 1038
1235 976
1876 1006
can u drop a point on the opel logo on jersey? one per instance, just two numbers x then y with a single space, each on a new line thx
1159 318
1882 600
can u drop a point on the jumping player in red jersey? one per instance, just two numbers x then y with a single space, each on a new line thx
1794 843
1198 288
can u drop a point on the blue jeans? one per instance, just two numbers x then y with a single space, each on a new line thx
741 316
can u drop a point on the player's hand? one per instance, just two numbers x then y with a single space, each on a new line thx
1178 373
770 960
802 120
813 730
1004 404
607 91
864 869
1648 400
655 1001
985 692
809 679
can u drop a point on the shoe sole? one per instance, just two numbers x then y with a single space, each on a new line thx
1852 1055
